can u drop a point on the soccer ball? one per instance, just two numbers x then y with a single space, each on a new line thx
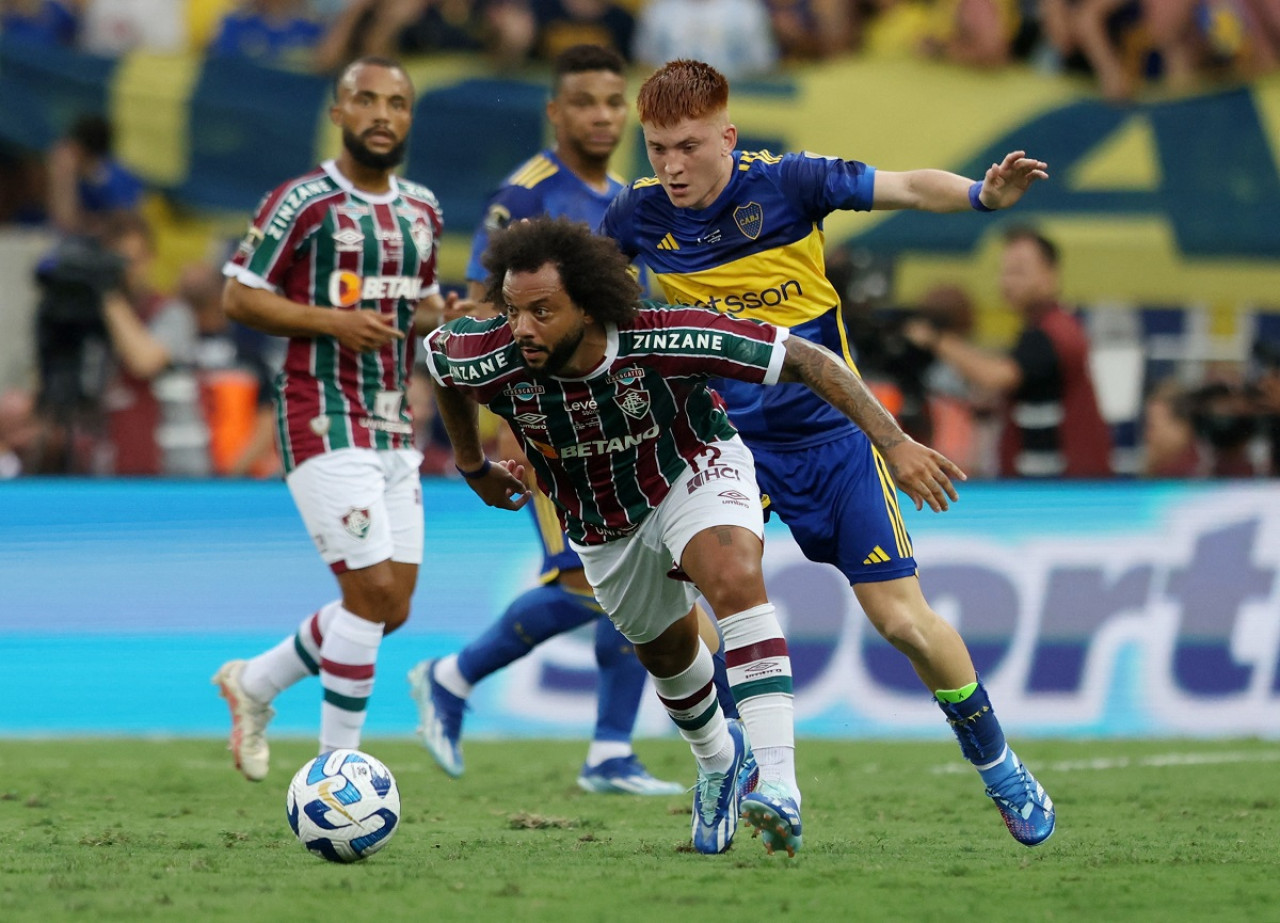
343 805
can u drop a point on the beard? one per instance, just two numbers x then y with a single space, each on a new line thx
557 356
362 155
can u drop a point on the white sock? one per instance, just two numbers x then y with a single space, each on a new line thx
759 670
347 659
293 659
601 750
690 700
448 675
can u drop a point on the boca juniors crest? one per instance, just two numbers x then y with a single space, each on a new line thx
750 219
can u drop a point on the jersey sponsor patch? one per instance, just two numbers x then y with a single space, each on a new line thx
346 288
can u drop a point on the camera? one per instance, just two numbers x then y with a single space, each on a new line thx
71 339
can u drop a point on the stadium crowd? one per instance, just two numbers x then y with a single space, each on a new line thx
1123 43
117 357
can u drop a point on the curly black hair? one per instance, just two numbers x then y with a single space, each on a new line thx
593 271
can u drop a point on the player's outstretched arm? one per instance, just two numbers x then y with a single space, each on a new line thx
921 473
939 191
497 485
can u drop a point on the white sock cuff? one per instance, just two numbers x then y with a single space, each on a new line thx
694 676
750 625
351 627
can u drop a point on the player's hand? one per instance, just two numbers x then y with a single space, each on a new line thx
924 475
456 306
501 486
1007 181
365 331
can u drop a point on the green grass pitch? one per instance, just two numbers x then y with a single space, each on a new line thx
133 830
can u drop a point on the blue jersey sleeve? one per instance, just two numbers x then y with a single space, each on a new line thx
508 204
821 185
617 223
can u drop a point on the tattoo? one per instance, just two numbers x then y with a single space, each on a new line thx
837 384
724 534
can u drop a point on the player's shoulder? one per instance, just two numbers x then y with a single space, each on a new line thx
533 172
646 190
304 186
414 190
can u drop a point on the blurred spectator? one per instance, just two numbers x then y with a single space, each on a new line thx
39 22
563 23
1052 426
388 28
733 36
964 419
18 432
276 32
235 366
154 421
87 186
973 33
817 29
115 27
1170 448
1178 42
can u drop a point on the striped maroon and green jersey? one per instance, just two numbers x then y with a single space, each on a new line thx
607 447
318 240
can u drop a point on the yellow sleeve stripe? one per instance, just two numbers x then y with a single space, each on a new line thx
534 172
645 183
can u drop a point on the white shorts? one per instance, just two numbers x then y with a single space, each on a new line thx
361 506
631 575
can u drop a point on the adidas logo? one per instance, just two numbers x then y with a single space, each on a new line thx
877 556
668 243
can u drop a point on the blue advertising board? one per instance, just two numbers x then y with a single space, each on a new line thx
1091 609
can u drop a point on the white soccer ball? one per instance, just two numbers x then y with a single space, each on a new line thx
344 805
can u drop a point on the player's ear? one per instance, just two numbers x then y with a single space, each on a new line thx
335 114
730 137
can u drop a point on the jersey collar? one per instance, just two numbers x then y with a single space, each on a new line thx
331 167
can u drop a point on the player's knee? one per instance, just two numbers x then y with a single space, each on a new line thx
734 588
379 598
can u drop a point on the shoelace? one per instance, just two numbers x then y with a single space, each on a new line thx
1016 790
705 783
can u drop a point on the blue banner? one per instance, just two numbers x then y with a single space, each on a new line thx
1107 609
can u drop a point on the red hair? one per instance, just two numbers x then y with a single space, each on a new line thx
679 90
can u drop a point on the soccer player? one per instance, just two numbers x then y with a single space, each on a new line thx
342 261
611 405
741 232
587 110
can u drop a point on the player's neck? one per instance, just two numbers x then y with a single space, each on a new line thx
589 354
372 180
594 171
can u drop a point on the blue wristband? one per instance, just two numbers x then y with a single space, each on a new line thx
478 473
976 202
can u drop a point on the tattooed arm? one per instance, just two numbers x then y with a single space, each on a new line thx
921 473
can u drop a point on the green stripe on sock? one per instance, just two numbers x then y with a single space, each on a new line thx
744 691
308 662
954 696
345 702
694 723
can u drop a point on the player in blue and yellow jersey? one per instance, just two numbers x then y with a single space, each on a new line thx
742 233
588 109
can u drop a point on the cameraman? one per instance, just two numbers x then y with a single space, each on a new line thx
118 393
